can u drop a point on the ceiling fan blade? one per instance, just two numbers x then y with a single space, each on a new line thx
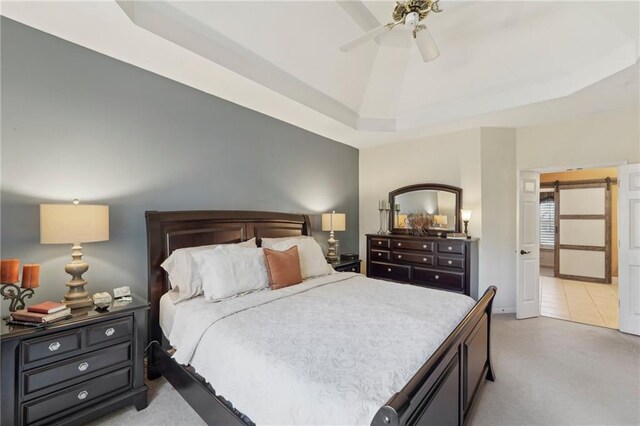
426 45
376 32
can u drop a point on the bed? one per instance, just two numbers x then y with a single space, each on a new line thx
430 372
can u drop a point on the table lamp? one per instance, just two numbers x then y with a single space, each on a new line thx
466 216
74 224
333 222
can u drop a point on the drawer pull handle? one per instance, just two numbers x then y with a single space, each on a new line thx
399 244
449 262
437 277
424 259
353 269
83 394
450 248
379 243
109 331
424 246
83 366
399 256
54 346
388 269
379 254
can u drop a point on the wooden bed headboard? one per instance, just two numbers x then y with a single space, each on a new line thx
168 231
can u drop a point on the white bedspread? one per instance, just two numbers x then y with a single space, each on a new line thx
329 351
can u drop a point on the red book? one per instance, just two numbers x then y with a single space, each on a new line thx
47 307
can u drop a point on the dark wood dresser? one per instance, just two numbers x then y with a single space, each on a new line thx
441 263
76 370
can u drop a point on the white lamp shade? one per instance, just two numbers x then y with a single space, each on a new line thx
334 221
466 214
69 223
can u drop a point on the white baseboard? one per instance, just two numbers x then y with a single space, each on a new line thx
497 310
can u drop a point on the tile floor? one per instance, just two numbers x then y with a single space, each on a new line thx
587 303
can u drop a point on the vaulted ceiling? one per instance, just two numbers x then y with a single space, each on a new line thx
283 58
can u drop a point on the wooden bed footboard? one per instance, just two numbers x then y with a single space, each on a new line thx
445 388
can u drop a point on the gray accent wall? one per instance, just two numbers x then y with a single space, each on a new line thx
79 124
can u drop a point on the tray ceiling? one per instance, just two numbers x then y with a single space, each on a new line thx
284 59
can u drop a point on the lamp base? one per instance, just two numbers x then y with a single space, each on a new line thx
331 250
77 296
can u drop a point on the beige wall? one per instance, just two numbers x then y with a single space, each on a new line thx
484 163
498 243
595 140
452 159
598 173
470 159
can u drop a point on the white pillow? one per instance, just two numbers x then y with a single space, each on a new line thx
312 260
229 271
183 274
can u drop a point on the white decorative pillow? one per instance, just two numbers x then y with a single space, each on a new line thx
182 271
312 260
229 271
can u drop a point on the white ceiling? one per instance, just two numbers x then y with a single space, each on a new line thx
501 63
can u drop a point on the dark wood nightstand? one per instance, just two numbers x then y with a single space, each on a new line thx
76 370
347 265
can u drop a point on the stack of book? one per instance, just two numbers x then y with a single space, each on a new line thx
44 312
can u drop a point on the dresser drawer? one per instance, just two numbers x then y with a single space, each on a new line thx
457 248
451 262
76 396
412 245
85 364
109 331
440 279
390 271
380 254
379 242
423 259
47 347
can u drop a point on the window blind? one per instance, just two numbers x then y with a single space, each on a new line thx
547 222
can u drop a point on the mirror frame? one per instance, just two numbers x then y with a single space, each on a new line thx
421 187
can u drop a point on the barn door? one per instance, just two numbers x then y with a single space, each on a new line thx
629 257
583 223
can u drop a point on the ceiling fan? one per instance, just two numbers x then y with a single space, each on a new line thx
408 13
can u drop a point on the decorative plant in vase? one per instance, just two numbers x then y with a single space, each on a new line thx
419 223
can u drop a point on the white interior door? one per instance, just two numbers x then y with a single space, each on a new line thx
629 247
528 286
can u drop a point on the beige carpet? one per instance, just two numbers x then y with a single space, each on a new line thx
549 372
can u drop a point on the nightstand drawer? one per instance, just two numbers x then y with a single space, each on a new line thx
61 343
109 331
76 397
90 363
391 271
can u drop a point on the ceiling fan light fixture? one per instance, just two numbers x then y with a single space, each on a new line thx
409 13
412 19
426 45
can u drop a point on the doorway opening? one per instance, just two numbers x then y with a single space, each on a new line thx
578 250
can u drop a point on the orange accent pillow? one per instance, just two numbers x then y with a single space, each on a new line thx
284 267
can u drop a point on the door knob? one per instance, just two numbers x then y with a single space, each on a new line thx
524 252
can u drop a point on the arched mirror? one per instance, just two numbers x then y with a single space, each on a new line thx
425 209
